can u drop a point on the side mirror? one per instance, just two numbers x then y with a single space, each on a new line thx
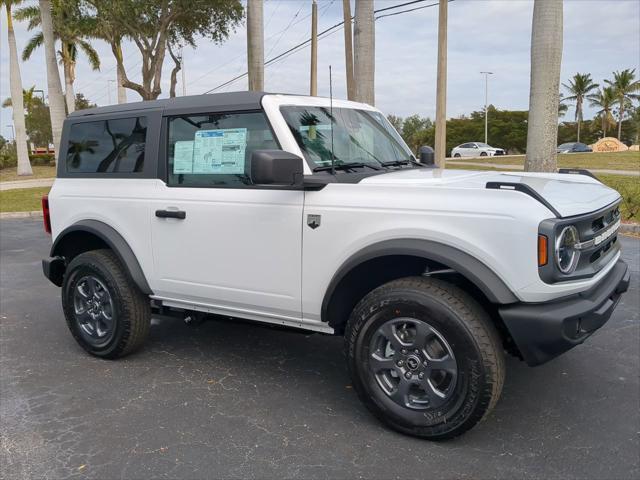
427 156
475 146
275 167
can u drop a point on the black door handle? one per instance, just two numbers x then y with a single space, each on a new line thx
171 214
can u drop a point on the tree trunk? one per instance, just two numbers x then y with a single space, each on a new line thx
116 47
364 52
255 45
174 72
440 144
620 117
17 101
56 100
546 59
69 94
348 49
579 115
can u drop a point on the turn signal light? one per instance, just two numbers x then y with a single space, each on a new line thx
543 251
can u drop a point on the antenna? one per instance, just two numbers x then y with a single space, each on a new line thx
333 158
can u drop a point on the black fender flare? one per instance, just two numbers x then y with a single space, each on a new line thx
115 241
474 270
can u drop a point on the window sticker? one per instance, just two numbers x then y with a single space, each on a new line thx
219 151
183 157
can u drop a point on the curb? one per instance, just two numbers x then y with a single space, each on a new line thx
35 214
630 228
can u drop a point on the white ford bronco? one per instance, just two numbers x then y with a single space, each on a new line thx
314 214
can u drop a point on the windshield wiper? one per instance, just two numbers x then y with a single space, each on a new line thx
398 163
345 166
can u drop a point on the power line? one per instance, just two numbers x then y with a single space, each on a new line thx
299 46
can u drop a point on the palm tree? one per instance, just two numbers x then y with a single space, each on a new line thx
71 28
604 99
56 100
579 87
562 107
15 80
546 58
624 85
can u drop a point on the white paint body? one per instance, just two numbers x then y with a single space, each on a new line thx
249 253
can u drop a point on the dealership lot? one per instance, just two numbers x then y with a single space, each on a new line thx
228 399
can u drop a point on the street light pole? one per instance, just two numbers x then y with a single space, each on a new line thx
486 107
109 90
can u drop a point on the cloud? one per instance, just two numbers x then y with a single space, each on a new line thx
493 35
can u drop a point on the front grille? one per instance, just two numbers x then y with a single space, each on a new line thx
597 250
499 152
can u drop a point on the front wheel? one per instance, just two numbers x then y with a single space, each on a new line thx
483 154
424 357
105 311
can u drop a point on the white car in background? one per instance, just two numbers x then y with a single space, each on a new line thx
476 149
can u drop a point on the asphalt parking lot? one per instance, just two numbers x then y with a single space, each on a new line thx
238 400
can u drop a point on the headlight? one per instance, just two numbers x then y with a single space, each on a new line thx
566 252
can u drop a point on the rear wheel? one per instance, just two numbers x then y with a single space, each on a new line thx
105 311
424 357
457 155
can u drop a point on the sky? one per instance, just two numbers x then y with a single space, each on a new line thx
600 36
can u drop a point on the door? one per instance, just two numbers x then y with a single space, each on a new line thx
468 150
218 240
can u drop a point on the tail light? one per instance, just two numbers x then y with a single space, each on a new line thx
45 214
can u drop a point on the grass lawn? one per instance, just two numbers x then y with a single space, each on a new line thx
22 199
608 160
10 174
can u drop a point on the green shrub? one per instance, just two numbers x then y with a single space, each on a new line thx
629 188
8 156
42 159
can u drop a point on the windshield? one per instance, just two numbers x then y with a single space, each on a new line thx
483 145
566 145
359 136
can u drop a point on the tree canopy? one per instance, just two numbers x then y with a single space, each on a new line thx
153 26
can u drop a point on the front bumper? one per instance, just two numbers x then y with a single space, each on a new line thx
543 331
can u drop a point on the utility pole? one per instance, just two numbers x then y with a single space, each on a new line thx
184 83
441 88
348 49
486 105
255 45
364 52
313 83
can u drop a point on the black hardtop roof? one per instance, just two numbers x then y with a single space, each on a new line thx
247 100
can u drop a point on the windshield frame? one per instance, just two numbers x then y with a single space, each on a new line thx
373 117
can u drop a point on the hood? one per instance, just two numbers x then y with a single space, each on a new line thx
569 194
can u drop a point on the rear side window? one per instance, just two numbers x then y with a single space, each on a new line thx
107 146
213 150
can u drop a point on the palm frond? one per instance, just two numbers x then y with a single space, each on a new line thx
34 42
92 55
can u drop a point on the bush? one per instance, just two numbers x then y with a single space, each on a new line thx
42 159
8 156
629 188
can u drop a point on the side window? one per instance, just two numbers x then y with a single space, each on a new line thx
107 146
214 149
466 145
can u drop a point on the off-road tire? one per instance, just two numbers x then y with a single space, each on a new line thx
132 310
463 323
